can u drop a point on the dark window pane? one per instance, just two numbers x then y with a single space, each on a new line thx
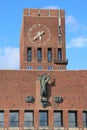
14 124
28 118
85 119
50 68
39 67
72 116
59 54
58 119
43 123
72 124
57 124
59 34
60 68
28 123
43 118
29 54
14 121
1 118
39 54
29 67
49 54
85 124
1 124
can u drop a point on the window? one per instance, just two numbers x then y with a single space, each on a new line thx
39 54
58 119
43 118
72 116
49 54
28 118
40 68
85 119
59 54
14 121
1 119
29 67
60 68
50 68
59 29
59 34
29 54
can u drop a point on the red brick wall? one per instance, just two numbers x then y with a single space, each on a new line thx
31 18
16 85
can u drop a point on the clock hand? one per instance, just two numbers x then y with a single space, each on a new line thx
39 35
36 37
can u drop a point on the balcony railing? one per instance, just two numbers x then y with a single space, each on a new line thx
56 61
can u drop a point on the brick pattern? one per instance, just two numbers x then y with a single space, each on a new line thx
15 85
31 18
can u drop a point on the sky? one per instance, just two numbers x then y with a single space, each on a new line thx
11 12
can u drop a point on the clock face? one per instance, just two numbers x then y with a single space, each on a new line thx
39 33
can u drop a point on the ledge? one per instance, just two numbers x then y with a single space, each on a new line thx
43 128
56 61
75 128
29 128
58 128
2 128
13 128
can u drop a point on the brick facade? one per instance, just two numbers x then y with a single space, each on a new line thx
16 86
48 19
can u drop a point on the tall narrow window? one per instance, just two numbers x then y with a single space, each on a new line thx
72 116
58 119
49 54
29 54
50 68
30 67
1 119
40 67
39 54
28 118
14 119
59 34
85 119
60 68
43 118
59 29
59 54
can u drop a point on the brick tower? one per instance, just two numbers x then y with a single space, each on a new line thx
42 42
43 100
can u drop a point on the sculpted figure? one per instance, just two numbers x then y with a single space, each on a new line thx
43 83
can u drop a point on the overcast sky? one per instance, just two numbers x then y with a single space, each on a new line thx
11 12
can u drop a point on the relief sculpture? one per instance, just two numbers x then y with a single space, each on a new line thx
44 79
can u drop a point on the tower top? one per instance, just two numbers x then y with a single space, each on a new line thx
44 12
42 43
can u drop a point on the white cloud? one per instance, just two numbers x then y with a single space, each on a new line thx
51 7
9 58
3 40
77 42
71 24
